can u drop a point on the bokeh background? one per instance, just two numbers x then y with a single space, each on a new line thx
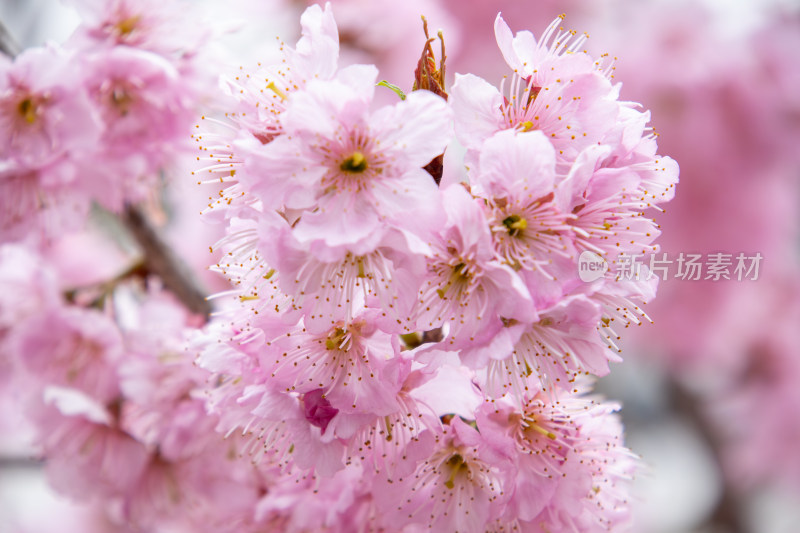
711 389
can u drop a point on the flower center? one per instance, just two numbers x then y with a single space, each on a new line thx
338 339
355 164
458 277
126 26
531 427
121 100
27 109
455 463
515 224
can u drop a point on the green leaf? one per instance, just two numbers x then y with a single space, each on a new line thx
397 90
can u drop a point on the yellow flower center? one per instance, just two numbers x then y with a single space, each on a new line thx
515 224
355 164
338 339
27 109
126 26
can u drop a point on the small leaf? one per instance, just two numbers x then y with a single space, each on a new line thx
397 90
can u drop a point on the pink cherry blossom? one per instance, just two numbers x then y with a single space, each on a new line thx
159 27
606 174
276 427
386 267
88 455
572 105
46 124
467 288
315 56
516 177
569 467
397 351
381 441
81 349
341 503
44 112
257 101
145 107
346 360
561 346
360 168
455 488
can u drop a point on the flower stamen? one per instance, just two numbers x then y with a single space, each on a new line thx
456 463
274 88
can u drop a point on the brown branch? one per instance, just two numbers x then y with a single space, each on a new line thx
158 257
8 45
728 514
20 462
160 260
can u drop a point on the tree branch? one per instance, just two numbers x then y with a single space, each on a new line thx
159 259
8 45
728 515
19 462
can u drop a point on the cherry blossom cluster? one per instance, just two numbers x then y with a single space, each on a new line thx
406 344
95 119
410 344
113 398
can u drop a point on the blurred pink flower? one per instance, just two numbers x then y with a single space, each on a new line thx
44 111
162 27
47 124
87 454
81 349
147 111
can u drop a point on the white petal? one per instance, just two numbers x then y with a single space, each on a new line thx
505 41
477 108
317 52
415 130
518 163
71 402
361 78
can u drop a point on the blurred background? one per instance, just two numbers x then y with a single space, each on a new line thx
711 389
